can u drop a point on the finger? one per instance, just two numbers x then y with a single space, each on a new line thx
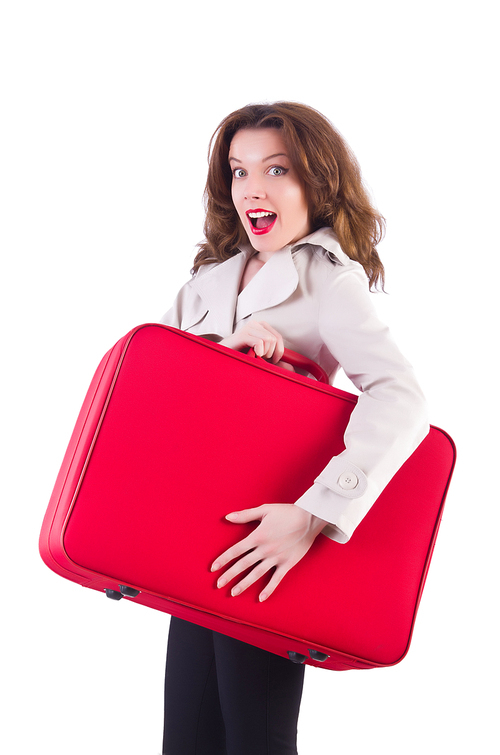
270 328
264 344
236 551
273 583
247 515
257 573
270 344
279 346
274 349
242 565
244 545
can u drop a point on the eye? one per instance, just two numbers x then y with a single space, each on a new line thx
238 173
277 170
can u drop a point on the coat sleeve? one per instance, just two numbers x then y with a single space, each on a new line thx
389 420
182 302
188 312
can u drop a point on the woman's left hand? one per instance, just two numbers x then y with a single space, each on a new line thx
283 537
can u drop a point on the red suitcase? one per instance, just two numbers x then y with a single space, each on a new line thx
166 445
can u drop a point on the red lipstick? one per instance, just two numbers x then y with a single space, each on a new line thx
262 221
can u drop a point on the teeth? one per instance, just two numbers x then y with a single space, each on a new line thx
259 214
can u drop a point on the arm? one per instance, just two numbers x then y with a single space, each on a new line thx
388 423
389 420
176 317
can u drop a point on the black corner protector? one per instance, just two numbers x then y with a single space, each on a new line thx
316 655
113 594
129 592
296 657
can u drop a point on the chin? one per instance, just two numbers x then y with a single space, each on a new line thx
265 246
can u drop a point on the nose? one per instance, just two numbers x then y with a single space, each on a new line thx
254 188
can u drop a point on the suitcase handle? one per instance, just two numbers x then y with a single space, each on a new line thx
304 363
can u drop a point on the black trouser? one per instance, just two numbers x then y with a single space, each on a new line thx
224 697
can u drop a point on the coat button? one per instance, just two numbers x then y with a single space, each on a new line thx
348 481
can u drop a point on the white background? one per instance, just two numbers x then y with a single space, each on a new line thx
107 110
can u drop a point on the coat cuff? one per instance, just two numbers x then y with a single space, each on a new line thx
322 502
342 500
344 478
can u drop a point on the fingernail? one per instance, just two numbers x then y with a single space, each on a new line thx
236 591
232 516
221 582
215 566
262 596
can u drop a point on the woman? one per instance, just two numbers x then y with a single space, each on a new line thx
288 261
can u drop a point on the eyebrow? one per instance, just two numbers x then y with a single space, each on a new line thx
278 154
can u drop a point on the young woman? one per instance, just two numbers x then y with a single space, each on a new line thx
289 257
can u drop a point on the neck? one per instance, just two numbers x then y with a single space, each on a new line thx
263 257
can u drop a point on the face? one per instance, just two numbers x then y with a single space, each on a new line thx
266 190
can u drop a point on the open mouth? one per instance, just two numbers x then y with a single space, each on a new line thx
261 220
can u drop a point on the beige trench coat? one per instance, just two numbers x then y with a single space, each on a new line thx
319 300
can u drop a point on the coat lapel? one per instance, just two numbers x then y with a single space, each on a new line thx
218 287
273 284
277 280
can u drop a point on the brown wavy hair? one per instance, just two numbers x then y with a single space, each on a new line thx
324 163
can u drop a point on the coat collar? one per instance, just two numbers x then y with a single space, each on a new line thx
325 239
217 285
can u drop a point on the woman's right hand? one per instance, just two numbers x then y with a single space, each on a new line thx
261 337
